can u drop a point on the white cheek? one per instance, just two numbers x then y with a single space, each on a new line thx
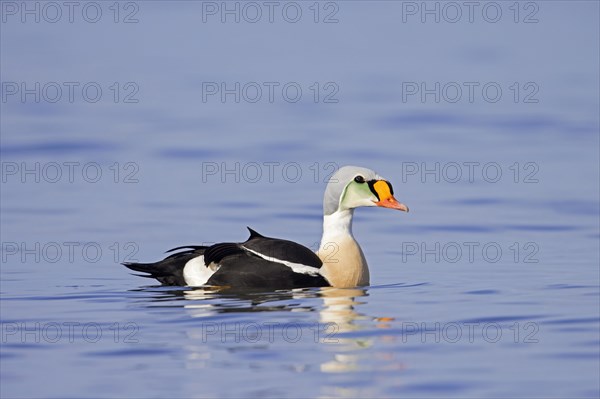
373 200
356 202
369 202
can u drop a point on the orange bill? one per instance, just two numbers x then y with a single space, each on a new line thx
386 198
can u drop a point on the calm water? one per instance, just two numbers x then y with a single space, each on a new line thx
176 128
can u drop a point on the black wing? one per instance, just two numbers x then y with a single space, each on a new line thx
285 250
264 262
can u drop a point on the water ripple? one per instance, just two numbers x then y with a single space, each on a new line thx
189 153
130 352
483 292
501 319
56 148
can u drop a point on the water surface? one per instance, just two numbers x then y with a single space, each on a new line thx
489 287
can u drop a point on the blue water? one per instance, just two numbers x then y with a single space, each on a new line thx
489 287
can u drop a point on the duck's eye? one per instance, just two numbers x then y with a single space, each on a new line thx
359 179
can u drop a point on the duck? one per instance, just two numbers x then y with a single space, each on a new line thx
267 263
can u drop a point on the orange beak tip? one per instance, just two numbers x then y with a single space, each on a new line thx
392 203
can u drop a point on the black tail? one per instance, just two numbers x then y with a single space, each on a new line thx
168 271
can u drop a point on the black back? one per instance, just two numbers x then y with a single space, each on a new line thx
282 249
239 266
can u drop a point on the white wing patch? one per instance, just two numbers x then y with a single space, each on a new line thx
296 267
196 273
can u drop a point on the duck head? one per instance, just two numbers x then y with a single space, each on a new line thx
352 187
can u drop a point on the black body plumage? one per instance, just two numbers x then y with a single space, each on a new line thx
260 262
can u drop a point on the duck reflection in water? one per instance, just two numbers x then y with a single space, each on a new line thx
337 329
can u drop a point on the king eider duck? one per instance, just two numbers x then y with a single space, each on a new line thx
271 263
